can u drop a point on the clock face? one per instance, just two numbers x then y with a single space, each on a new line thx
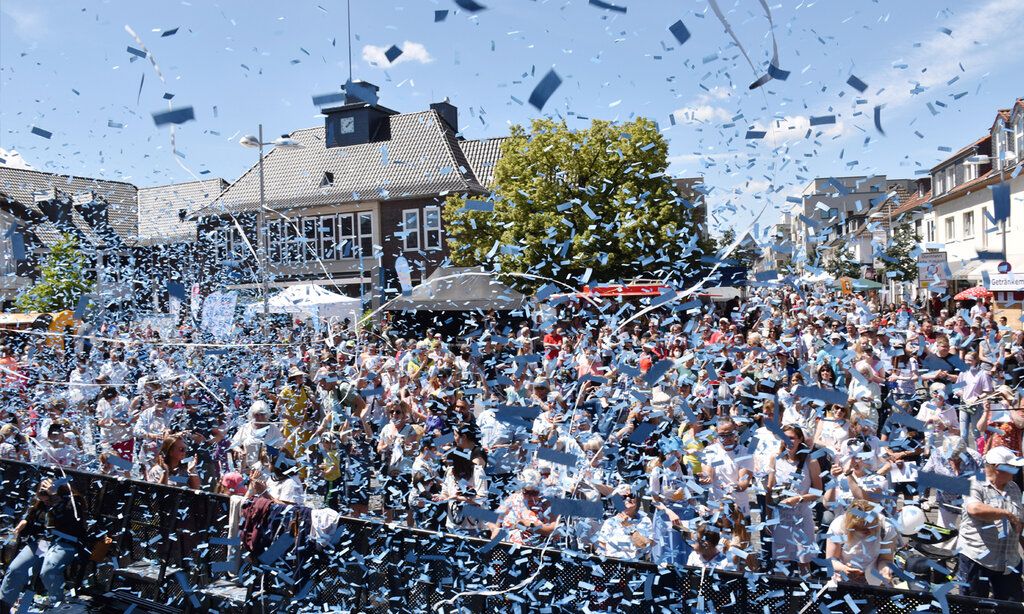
346 125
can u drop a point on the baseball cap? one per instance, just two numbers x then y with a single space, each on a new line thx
1003 456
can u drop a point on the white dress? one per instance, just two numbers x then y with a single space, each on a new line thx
794 538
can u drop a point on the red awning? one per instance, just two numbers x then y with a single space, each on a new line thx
626 290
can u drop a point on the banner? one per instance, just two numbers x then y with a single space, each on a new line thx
404 275
219 314
197 301
932 270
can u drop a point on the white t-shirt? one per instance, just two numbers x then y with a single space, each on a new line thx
862 552
288 490
727 466
119 412
945 415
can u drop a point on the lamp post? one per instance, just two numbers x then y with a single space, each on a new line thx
256 142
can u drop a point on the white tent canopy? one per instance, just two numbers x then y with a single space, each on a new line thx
312 301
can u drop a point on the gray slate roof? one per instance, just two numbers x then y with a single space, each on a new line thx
22 185
423 158
482 155
160 221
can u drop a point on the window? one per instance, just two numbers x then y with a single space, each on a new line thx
274 243
986 225
365 234
328 180
346 235
7 261
968 224
432 228
290 250
411 228
950 228
931 231
997 146
958 176
328 231
1020 134
309 245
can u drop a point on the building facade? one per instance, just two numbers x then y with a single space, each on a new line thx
963 220
357 193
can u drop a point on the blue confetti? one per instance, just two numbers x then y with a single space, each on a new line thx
878 120
440 15
1001 202
138 52
857 84
470 5
777 73
40 132
322 99
608 6
823 119
678 30
544 90
393 53
174 116
755 134
170 32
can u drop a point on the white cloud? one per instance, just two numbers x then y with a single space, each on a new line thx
706 107
982 38
411 52
794 128
707 157
12 159
28 22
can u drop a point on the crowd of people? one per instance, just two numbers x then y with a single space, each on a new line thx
794 432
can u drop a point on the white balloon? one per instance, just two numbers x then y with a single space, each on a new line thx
911 520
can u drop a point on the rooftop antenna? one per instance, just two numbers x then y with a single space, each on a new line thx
349 5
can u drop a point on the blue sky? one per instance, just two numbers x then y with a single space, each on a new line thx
65 68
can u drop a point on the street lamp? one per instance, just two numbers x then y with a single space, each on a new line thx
256 142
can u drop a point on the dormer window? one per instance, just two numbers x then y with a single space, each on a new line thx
328 180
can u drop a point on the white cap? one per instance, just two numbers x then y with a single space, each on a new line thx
259 407
937 387
530 479
1003 456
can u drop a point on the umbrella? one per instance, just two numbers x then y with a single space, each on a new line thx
866 284
860 284
972 294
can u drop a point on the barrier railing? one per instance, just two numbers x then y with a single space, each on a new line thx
169 545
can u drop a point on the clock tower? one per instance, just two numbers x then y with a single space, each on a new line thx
359 120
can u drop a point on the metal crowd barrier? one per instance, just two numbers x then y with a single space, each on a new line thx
169 546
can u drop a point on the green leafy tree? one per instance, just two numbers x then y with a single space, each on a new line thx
896 257
63 280
570 200
840 263
747 253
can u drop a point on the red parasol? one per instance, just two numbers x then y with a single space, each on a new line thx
973 294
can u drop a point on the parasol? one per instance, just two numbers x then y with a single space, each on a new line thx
973 294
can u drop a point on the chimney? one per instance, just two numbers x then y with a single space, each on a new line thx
357 92
448 112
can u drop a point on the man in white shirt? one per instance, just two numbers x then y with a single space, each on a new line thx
972 384
938 415
727 469
252 436
115 369
628 534
115 421
80 384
